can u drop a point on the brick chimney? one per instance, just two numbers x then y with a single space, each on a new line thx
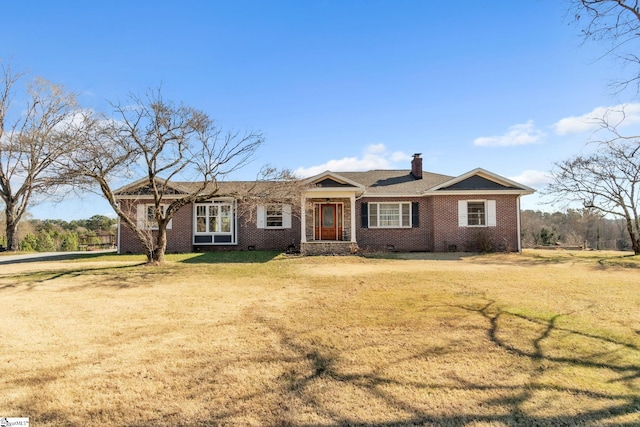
416 166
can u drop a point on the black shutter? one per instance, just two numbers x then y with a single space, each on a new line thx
415 214
364 214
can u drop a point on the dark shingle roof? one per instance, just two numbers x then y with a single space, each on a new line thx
395 182
376 183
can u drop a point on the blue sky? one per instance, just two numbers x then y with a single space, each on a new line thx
340 85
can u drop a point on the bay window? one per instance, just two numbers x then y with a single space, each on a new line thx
214 223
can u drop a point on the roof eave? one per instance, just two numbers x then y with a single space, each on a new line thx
485 174
521 192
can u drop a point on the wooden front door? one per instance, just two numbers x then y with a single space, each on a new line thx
328 221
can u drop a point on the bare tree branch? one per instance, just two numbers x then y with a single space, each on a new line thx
607 180
616 23
32 139
161 142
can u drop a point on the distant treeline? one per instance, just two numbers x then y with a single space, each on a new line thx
575 227
51 235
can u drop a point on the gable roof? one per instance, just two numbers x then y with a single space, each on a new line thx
381 183
328 179
141 187
373 183
481 180
220 189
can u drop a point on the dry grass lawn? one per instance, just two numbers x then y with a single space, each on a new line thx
539 338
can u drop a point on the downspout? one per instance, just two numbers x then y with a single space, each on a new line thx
118 236
518 221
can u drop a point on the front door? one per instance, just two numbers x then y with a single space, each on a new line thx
329 221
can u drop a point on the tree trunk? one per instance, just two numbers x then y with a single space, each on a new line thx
635 244
635 237
156 254
161 244
13 242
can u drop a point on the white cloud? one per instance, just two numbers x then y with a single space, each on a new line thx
533 178
376 148
400 156
375 156
520 134
617 115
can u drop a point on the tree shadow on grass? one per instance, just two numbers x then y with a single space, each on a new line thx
313 377
118 277
228 257
322 365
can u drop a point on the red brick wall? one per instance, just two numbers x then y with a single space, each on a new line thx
447 235
438 230
260 239
397 239
180 236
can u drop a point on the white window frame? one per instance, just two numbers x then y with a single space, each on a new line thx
262 218
404 214
218 205
489 213
145 216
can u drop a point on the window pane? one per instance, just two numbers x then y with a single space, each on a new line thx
213 219
201 219
476 213
274 215
225 218
274 210
328 216
406 215
151 213
389 215
373 214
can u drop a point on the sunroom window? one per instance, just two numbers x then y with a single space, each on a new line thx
214 222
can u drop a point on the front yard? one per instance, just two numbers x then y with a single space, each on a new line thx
539 338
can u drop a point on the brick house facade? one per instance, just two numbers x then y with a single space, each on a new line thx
345 212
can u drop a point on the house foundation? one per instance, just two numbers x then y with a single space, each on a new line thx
328 248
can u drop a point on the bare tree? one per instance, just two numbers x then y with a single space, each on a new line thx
32 139
163 143
615 23
608 181
271 186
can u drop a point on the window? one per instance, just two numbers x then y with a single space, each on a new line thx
215 223
214 218
477 213
151 213
389 215
146 216
274 215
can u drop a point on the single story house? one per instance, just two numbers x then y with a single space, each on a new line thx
345 212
